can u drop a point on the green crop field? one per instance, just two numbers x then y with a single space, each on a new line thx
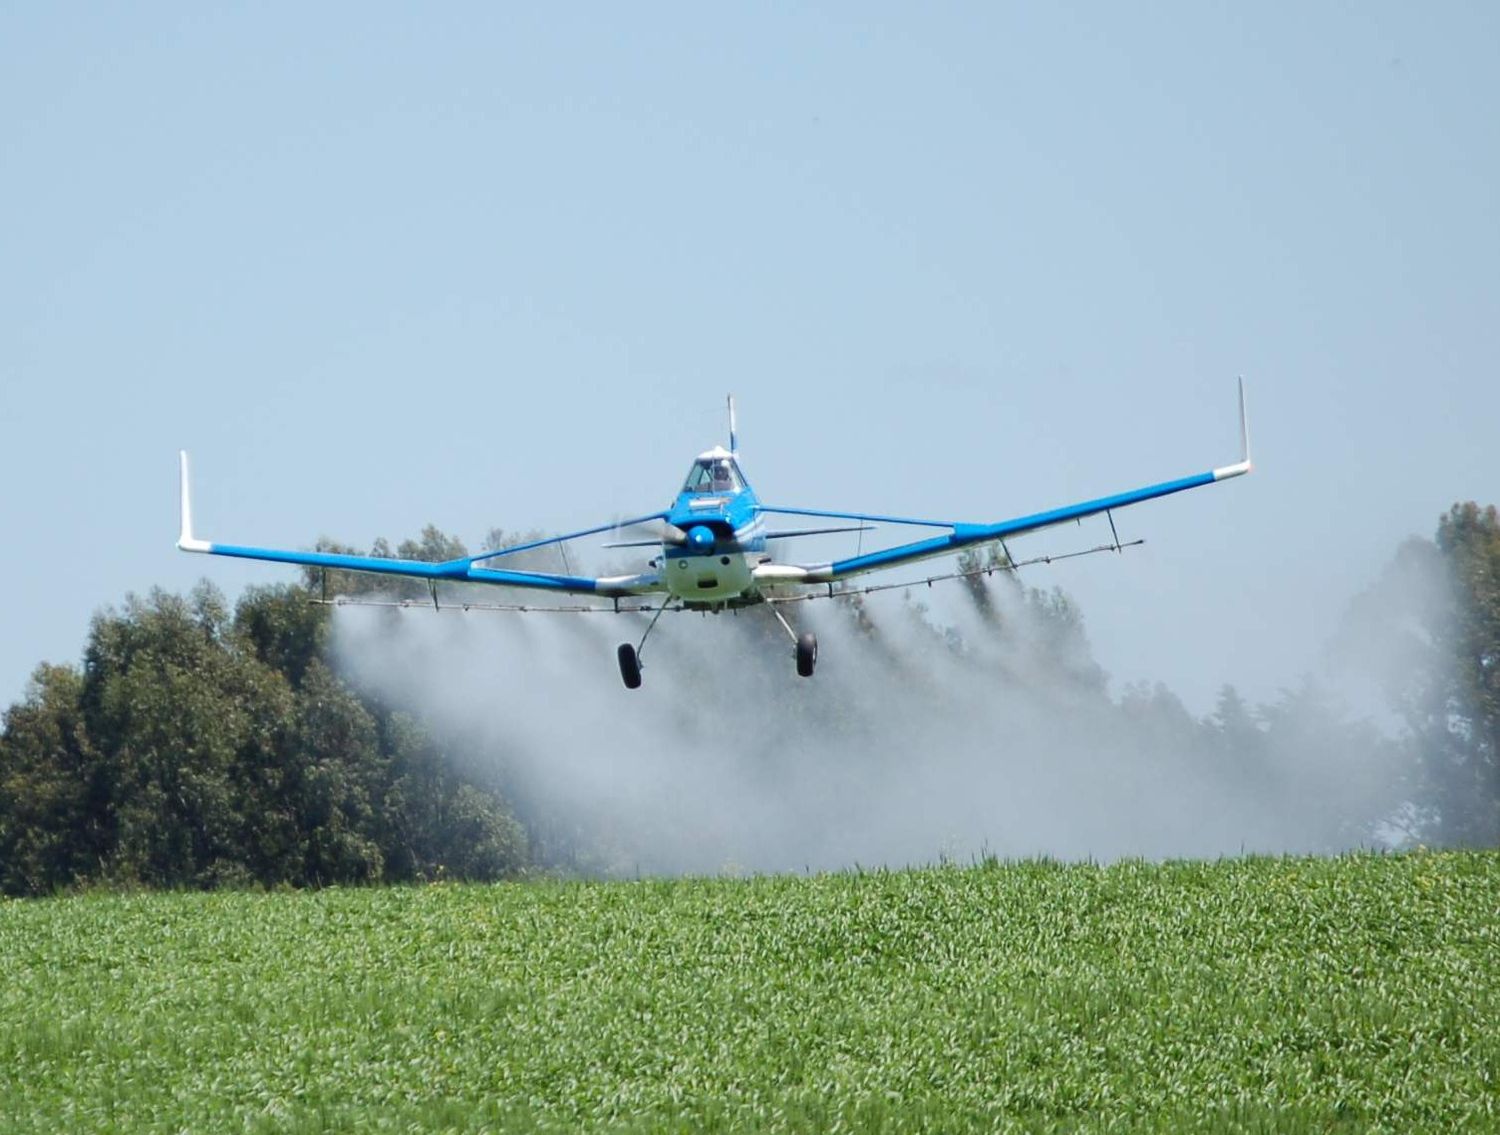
1359 993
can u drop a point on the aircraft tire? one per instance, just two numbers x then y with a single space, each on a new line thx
630 666
807 654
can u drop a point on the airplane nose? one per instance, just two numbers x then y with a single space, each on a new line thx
700 538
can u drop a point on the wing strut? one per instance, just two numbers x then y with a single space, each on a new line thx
965 535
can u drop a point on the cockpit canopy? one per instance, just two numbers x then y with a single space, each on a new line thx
712 473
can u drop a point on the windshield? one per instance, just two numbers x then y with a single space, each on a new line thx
713 475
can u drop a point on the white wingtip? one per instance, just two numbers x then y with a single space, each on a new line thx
185 540
1244 429
1244 465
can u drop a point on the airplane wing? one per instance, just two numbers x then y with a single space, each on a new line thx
960 535
464 570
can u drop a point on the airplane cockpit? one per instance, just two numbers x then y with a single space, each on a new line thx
714 474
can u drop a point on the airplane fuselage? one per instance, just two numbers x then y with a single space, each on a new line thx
722 541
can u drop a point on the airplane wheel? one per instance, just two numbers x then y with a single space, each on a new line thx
630 666
807 654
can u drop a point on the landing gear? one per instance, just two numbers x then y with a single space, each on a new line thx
630 656
807 654
630 666
807 645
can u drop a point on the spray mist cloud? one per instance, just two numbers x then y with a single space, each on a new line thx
964 724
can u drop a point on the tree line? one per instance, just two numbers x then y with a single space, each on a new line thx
200 745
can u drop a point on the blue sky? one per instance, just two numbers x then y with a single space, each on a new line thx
378 266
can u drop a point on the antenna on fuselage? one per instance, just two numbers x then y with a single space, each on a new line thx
734 442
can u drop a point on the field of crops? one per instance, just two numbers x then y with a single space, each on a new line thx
1358 993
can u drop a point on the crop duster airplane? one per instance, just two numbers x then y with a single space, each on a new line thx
713 548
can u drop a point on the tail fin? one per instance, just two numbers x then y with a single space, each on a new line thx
734 441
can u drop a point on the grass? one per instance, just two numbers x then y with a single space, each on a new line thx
1360 994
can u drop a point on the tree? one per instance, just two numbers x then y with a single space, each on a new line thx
1333 780
181 718
196 748
434 546
283 628
338 773
1468 538
479 839
1428 631
53 794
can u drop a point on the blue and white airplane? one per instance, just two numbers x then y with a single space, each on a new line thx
713 547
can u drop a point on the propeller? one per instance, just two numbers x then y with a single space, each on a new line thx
698 537
655 533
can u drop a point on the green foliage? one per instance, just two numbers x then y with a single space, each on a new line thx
341 774
1057 642
1329 773
433 546
202 749
1258 995
284 630
481 840
54 826
177 713
1429 628
1469 540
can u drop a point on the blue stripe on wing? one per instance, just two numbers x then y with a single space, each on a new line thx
461 571
466 569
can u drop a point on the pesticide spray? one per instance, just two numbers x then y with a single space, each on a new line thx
943 723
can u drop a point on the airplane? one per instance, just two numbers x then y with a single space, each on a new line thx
713 547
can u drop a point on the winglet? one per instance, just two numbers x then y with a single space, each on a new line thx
1244 465
186 541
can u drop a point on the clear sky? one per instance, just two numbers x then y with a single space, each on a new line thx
477 265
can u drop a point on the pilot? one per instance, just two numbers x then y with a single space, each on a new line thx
723 480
